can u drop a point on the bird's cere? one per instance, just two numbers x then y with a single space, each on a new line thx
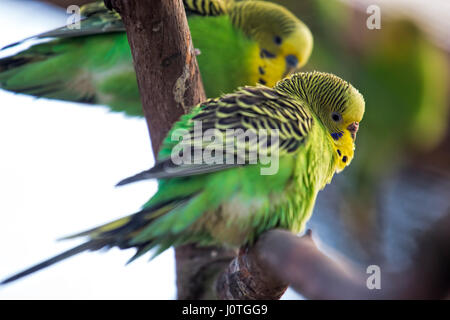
353 128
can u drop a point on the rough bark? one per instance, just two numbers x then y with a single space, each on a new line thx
169 82
198 269
249 277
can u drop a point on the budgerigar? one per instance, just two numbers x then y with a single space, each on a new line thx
405 77
241 43
315 117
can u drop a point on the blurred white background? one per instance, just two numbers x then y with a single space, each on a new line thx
58 166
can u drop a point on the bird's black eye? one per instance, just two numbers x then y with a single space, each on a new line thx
336 116
277 40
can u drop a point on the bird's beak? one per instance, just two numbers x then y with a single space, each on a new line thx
353 128
291 64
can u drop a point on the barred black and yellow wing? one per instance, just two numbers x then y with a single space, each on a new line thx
255 120
259 108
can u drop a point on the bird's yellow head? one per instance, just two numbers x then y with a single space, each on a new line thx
284 43
337 104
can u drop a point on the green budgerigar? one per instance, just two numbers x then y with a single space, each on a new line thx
315 117
246 43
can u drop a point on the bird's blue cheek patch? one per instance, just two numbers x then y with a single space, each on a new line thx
337 135
266 54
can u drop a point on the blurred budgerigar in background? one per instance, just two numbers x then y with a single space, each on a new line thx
404 75
239 43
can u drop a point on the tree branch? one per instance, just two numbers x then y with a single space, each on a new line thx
169 82
286 258
250 277
167 72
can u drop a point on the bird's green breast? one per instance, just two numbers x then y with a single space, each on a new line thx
258 202
315 167
248 207
225 54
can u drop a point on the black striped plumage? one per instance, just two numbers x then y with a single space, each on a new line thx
206 7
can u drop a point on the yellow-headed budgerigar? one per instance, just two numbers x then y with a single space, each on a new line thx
314 118
242 43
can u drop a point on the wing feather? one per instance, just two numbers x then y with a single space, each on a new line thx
268 121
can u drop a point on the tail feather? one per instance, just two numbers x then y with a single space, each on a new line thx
91 245
19 60
95 232
119 233
144 175
36 72
164 169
